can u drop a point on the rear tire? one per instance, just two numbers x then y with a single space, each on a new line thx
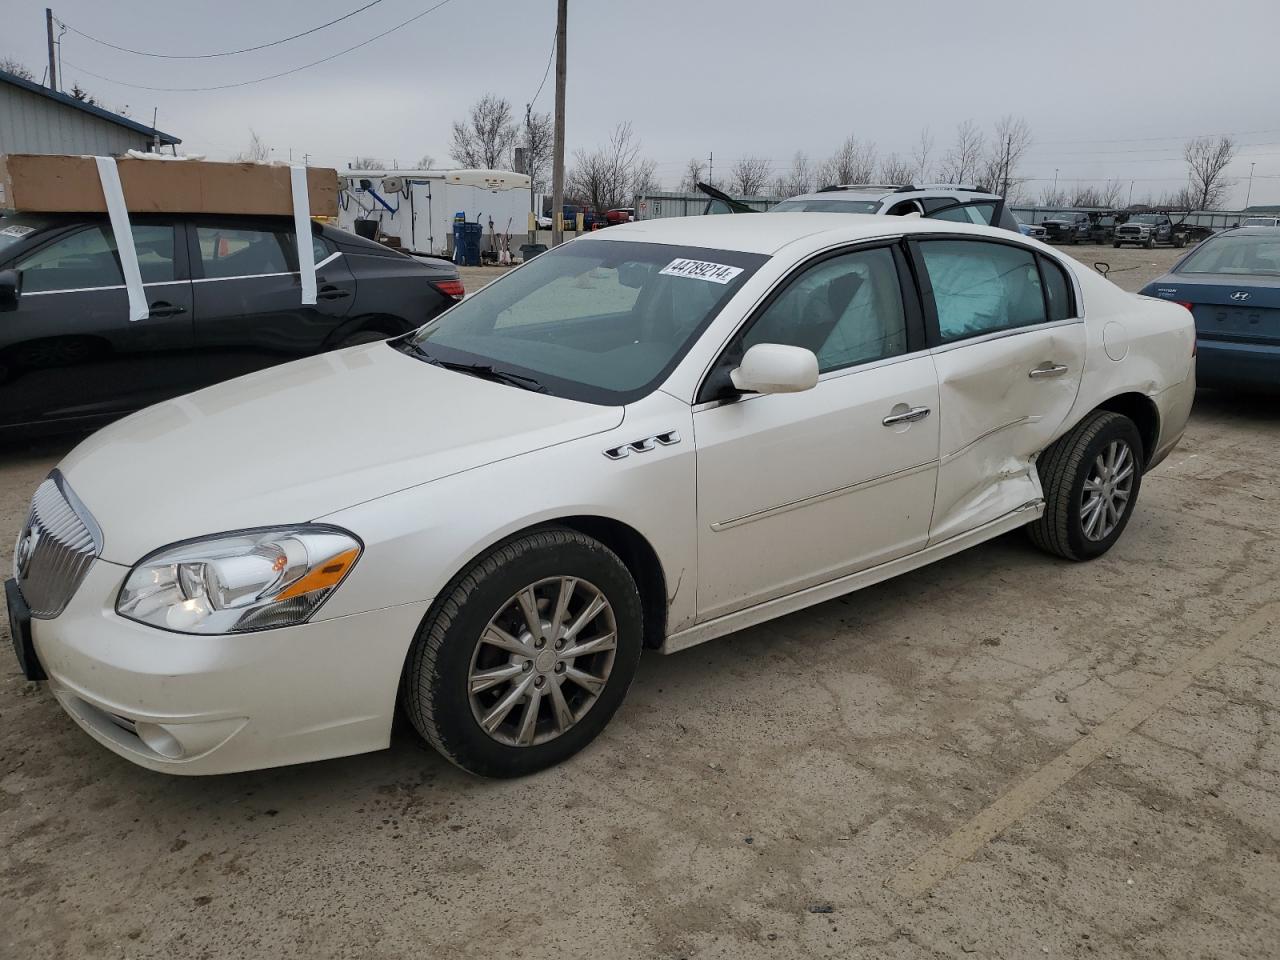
1151 243
1116 244
1091 478
364 336
458 680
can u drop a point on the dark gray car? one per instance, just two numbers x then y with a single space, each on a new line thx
225 299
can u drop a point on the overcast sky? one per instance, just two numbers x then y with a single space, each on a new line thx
1110 89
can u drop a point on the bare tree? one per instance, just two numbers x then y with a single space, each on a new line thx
17 68
484 140
749 175
1055 197
960 165
920 153
368 163
853 162
797 180
894 169
83 95
536 136
426 162
1009 145
693 173
611 175
256 152
1207 161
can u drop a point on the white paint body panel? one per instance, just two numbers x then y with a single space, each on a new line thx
764 506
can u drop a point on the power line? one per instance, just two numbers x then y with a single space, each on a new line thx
227 53
273 76
547 72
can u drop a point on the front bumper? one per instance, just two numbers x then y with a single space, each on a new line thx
198 705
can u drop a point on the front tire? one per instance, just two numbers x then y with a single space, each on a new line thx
527 656
1091 478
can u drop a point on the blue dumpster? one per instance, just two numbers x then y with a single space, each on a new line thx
466 244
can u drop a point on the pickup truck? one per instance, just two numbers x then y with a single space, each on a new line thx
1067 228
1147 230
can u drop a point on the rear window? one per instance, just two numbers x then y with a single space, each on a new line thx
1248 254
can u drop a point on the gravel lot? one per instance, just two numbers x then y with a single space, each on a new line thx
1001 755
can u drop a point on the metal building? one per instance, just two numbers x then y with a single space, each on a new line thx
35 119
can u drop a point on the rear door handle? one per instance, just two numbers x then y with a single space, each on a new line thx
910 416
1047 371
333 293
162 308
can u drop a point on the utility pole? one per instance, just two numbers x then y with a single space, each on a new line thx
557 150
711 167
1055 183
1249 192
1131 183
53 63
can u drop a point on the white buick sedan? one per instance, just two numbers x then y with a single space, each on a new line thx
646 438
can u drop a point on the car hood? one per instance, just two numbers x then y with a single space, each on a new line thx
299 441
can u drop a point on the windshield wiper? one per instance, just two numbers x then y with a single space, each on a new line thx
485 370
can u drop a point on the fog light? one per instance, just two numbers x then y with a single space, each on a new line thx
160 740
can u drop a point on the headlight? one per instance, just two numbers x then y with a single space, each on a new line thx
237 582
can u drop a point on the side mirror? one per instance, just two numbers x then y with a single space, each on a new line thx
10 289
776 368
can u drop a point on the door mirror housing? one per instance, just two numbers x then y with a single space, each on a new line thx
10 288
776 368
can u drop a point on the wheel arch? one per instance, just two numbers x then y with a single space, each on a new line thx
381 322
1145 415
639 557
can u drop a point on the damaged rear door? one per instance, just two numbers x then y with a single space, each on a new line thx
1009 345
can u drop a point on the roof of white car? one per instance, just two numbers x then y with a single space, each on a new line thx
769 232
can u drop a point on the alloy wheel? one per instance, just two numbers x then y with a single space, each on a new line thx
1107 490
542 661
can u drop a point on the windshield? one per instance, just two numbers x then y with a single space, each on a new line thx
1146 218
17 226
1261 222
826 205
1242 253
596 320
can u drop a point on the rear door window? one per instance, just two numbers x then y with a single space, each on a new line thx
233 251
981 287
979 213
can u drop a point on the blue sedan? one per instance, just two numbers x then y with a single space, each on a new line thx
1231 285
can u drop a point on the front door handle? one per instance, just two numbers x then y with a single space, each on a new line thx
162 308
909 416
1047 370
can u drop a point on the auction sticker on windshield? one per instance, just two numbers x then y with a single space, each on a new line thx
701 270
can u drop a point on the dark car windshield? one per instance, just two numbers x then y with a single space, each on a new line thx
18 226
1147 218
1252 254
596 320
826 205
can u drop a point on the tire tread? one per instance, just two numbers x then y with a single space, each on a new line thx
419 697
1059 463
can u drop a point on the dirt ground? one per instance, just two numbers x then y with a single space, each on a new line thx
1001 755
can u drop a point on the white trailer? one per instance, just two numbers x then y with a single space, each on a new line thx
416 208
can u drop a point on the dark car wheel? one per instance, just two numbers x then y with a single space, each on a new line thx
528 655
1091 478
1116 244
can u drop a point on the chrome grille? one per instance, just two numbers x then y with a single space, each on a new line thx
57 546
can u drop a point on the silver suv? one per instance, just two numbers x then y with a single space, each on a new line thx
934 201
